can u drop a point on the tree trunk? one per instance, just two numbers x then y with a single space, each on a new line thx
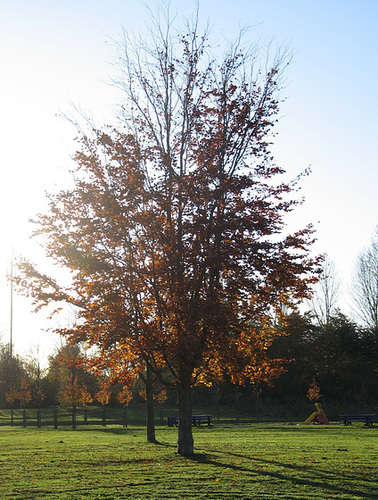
217 396
257 394
185 436
151 438
237 404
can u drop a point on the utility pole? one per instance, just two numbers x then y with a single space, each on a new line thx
11 310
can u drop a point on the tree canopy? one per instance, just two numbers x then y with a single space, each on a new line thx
174 233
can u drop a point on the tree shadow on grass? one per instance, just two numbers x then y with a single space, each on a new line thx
321 480
119 431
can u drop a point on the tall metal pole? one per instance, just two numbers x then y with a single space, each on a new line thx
11 310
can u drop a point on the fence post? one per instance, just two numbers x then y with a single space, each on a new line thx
24 418
55 419
74 417
39 423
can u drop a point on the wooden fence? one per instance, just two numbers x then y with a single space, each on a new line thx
64 417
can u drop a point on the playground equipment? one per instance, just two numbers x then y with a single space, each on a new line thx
317 417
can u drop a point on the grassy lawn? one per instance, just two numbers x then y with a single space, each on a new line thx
232 462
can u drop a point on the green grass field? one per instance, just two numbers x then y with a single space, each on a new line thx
243 462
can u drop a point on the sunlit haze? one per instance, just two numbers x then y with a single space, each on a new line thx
58 55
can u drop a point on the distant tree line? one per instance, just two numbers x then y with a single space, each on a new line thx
340 355
321 346
65 382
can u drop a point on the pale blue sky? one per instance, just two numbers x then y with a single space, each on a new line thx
57 52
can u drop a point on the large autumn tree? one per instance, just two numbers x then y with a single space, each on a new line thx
174 232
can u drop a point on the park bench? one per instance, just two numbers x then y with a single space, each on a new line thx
202 419
196 420
368 418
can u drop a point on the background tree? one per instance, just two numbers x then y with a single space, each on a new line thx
365 284
69 394
65 373
25 394
125 396
10 372
103 395
296 347
340 355
174 231
327 291
85 396
12 395
313 393
34 375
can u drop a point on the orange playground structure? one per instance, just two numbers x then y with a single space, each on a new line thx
317 417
